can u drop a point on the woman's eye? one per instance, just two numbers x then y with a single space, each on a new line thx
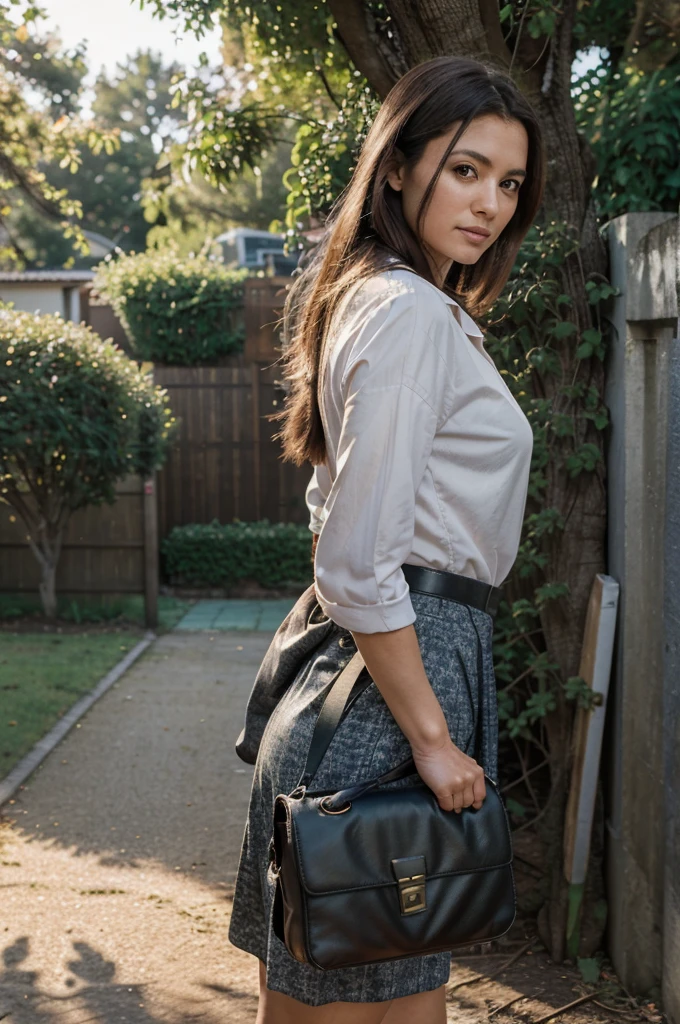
462 167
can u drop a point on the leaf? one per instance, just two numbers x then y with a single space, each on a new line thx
563 329
589 968
516 808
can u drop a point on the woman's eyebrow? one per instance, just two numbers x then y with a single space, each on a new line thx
485 160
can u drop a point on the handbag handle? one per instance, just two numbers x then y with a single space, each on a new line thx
341 693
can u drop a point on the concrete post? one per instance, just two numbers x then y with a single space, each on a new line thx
644 784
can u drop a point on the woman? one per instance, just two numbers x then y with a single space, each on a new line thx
422 460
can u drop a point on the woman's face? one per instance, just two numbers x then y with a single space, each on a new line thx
477 189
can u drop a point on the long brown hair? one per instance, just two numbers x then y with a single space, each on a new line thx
366 226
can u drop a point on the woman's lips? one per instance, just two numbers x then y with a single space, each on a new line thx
474 236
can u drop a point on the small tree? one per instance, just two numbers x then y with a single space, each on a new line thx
76 415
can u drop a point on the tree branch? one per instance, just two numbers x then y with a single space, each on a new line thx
352 30
491 22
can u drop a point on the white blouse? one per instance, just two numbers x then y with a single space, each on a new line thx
428 453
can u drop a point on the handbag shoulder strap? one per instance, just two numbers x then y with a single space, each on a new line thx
342 691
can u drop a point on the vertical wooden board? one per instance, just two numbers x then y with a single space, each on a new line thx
256 463
595 669
100 571
236 435
151 559
226 460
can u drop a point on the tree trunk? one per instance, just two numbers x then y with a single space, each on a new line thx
542 68
48 593
45 532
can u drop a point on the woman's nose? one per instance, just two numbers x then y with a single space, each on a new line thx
486 200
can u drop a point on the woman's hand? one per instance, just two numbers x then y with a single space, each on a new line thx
455 779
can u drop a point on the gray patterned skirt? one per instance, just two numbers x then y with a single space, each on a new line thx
455 639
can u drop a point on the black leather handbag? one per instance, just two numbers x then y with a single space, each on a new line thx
365 874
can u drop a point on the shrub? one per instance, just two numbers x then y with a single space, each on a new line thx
76 415
176 310
216 554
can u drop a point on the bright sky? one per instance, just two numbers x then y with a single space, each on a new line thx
115 28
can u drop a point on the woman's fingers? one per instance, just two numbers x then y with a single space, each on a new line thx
479 790
456 779
470 793
445 801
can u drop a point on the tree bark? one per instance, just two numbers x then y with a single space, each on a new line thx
45 532
48 592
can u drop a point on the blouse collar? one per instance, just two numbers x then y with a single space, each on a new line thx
464 319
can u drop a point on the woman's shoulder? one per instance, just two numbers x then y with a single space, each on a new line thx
397 293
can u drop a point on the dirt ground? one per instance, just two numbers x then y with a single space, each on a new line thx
117 861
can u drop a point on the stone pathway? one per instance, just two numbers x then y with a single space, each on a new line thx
234 614
117 857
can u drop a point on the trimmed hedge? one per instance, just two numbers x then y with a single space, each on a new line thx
178 311
219 555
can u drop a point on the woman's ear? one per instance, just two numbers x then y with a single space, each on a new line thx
395 170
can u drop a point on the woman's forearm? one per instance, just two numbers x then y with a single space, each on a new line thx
395 664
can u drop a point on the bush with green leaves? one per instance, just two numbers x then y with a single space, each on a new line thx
177 310
219 555
76 416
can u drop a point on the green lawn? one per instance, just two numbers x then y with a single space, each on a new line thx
42 676
121 610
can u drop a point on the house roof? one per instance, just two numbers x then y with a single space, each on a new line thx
47 276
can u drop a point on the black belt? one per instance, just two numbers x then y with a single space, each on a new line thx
453 586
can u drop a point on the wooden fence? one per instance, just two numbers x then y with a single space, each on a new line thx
107 549
225 465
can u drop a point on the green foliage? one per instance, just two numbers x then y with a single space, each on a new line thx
532 337
577 689
33 136
56 75
131 104
216 554
303 82
176 310
323 158
630 119
185 213
76 415
99 608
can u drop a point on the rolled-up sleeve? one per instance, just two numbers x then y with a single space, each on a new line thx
316 494
394 386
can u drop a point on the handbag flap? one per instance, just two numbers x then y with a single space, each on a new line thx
355 849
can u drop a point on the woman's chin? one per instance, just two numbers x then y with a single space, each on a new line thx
465 257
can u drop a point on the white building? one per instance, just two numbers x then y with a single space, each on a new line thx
45 291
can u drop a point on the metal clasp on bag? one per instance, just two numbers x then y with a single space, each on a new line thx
410 875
